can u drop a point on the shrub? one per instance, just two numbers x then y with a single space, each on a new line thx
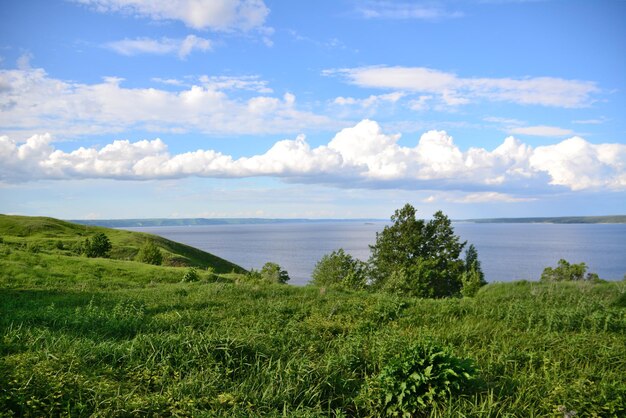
417 379
340 269
98 246
191 275
151 254
566 272
273 273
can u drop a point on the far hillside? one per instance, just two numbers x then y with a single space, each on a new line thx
49 235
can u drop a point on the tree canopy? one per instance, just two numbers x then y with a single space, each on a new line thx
416 257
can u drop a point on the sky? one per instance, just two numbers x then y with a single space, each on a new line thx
312 109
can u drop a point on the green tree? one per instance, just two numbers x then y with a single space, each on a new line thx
151 254
423 258
566 272
473 277
273 273
98 246
340 269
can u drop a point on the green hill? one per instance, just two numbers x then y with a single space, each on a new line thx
53 236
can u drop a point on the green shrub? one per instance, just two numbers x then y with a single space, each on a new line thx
566 272
417 379
273 273
151 254
340 269
191 275
98 246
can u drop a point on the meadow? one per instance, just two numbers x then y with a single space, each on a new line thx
115 337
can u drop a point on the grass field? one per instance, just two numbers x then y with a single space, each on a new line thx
98 337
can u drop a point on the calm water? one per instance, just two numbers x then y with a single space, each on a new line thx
507 251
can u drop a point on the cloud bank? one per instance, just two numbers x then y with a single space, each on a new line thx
32 102
362 156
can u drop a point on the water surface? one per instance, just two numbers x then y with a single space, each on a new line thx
507 251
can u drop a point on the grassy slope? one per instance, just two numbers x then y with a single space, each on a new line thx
44 234
119 338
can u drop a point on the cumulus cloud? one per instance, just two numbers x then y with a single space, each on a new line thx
34 102
453 90
371 101
163 46
219 15
360 156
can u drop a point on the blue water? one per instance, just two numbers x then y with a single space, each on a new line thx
507 251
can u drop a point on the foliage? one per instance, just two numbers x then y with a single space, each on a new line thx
473 277
424 255
191 275
418 378
150 253
98 246
565 272
273 273
340 269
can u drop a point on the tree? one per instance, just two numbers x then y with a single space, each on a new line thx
150 253
422 258
566 272
340 269
98 246
473 277
273 273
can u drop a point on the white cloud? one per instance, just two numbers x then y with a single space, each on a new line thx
219 15
361 156
540 131
371 101
579 165
23 61
454 90
163 46
401 11
36 103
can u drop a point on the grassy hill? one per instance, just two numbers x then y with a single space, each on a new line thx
53 236
111 337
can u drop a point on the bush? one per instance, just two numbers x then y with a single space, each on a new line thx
417 379
151 254
191 275
98 246
340 269
273 273
566 272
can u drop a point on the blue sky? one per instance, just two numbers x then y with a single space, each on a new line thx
251 108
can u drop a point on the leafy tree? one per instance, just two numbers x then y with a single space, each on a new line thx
473 277
98 246
566 272
150 253
273 273
423 258
340 269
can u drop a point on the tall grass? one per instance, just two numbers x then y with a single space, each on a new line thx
228 349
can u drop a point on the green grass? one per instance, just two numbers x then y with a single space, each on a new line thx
98 337
53 236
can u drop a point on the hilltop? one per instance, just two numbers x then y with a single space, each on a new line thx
56 237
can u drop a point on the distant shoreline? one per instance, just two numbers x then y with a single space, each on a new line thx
161 222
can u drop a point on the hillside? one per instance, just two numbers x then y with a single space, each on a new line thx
612 219
53 236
